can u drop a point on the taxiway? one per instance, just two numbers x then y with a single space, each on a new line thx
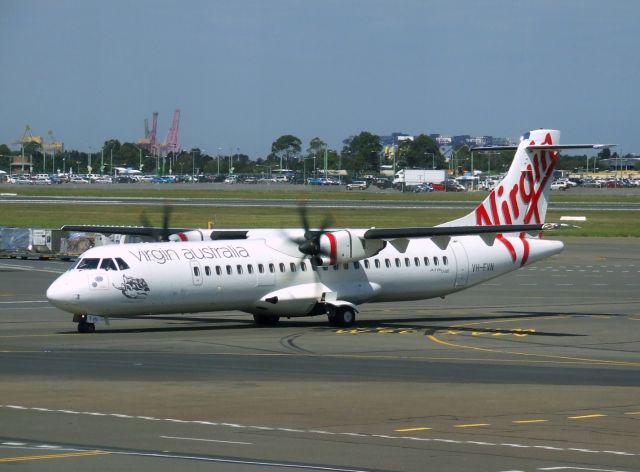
538 370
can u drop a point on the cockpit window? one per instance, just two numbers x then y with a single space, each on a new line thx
108 264
74 264
88 263
122 265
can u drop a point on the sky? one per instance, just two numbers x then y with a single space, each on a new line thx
244 72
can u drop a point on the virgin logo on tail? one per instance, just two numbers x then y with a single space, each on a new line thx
506 205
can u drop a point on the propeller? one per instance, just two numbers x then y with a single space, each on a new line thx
162 233
310 245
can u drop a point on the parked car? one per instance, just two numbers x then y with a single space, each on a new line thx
449 186
357 185
559 185
382 183
425 187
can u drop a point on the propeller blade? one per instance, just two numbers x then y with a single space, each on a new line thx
166 216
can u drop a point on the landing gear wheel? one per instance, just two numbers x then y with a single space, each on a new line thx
266 320
343 316
84 327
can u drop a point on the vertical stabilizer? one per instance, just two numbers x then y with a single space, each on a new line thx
522 196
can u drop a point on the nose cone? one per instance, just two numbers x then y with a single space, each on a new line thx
61 295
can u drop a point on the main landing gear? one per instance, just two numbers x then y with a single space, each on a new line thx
342 316
266 320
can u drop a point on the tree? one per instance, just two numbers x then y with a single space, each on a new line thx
316 146
362 154
286 147
421 153
5 157
128 155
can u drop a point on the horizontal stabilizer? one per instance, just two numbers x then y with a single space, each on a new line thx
546 147
427 232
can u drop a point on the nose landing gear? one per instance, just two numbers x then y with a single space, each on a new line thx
86 323
84 327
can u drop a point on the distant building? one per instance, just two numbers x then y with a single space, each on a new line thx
620 163
391 141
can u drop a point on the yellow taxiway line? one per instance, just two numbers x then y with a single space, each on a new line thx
53 456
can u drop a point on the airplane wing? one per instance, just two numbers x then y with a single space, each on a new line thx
130 230
154 232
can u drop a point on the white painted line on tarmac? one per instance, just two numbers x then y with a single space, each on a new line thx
206 440
311 431
23 301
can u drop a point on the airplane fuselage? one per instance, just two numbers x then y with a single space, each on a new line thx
253 276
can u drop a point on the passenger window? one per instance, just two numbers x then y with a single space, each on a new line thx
293 267
207 270
445 260
407 262
366 263
387 262
239 268
356 265
416 261
108 264
303 266
397 262
336 267
250 268
229 270
218 270
325 268
345 266
282 267
426 261
88 263
377 263
272 268
261 268
196 271
435 261
122 265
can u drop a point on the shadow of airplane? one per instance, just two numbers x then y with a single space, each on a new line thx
319 324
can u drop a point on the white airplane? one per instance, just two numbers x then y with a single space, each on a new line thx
274 273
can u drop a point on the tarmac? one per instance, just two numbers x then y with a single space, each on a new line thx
537 370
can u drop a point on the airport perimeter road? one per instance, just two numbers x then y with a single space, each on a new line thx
539 370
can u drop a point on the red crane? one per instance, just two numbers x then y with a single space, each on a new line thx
171 142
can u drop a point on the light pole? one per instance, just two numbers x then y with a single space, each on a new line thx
140 157
325 162
473 174
193 165
433 159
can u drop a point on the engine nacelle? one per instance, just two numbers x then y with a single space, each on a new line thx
193 235
343 246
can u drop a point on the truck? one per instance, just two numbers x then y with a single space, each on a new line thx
412 177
